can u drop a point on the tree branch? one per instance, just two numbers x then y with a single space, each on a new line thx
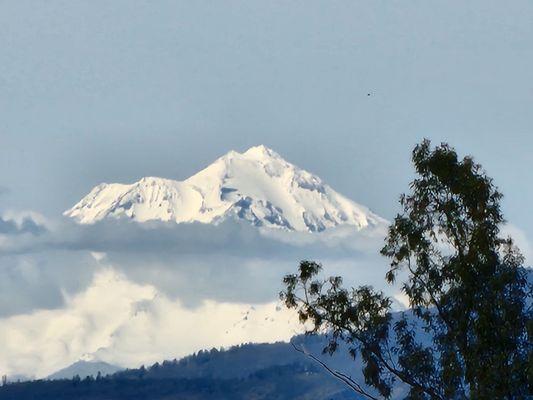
338 375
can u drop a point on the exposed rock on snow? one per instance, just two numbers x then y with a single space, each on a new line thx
257 186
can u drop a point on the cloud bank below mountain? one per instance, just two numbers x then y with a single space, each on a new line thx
129 293
124 323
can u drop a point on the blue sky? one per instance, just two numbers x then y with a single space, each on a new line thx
100 91
111 91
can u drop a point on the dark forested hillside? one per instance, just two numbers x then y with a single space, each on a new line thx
294 381
250 371
240 361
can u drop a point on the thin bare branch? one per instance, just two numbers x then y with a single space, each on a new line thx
356 387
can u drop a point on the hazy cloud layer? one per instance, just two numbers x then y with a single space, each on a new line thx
128 324
128 293
40 281
28 225
228 262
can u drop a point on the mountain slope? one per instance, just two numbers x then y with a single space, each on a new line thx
85 368
250 371
257 186
290 382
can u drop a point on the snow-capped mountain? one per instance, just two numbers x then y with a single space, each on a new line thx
257 186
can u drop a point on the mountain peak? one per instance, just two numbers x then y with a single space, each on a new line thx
261 151
257 186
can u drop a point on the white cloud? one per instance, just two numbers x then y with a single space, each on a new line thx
128 324
230 262
520 240
130 295
402 301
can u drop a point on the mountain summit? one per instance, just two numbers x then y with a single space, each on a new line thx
257 186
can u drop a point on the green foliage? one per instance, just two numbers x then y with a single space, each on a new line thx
466 285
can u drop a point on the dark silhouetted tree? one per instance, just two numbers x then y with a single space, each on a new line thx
76 380
466 285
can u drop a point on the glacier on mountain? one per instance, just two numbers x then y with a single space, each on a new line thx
257 186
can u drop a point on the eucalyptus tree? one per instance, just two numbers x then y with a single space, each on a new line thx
467 287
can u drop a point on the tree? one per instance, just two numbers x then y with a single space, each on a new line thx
76 380
142 372
466 285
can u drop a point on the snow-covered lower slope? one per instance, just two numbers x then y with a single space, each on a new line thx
257 186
